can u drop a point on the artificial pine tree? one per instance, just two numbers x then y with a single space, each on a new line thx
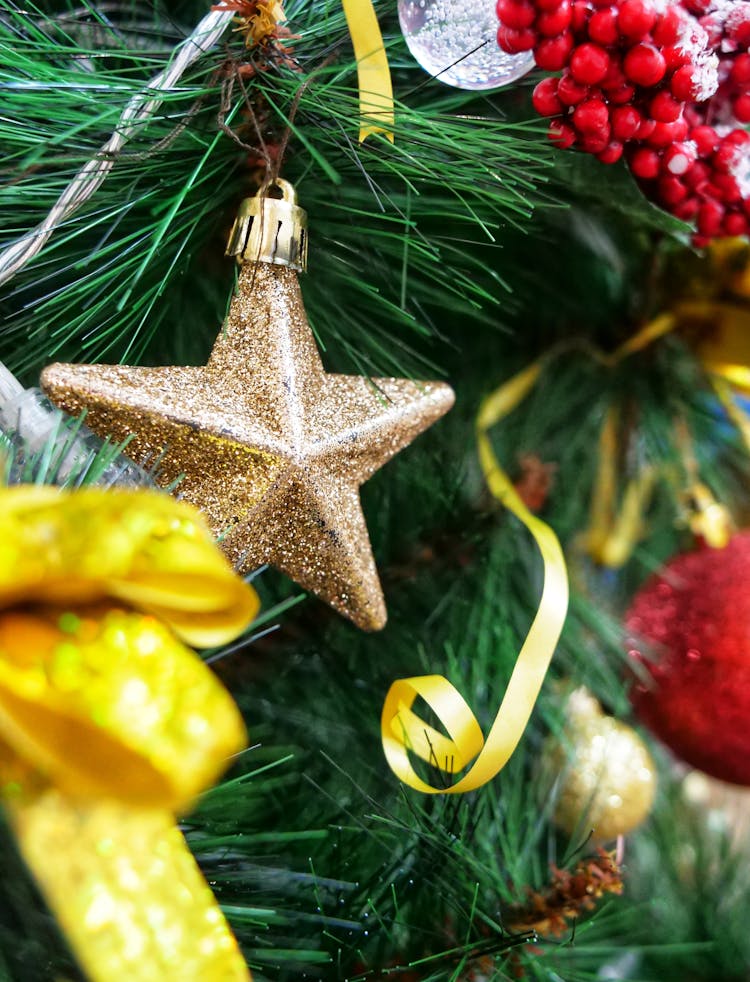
466 250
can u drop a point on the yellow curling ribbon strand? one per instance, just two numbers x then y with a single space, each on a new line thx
109 725
612 534
373 74
402 731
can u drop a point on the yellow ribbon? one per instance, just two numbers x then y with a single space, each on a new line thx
109 725
402 731
373 74
612 534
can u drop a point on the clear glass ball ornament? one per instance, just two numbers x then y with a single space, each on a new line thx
456 42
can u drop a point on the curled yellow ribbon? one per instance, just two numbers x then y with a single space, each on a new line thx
402 731
109 725
373 74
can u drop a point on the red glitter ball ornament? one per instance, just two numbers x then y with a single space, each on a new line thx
689 626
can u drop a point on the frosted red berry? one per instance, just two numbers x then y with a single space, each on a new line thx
642 79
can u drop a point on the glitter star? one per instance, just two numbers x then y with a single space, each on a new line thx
268 445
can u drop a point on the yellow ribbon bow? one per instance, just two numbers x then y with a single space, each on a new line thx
109 725
402 731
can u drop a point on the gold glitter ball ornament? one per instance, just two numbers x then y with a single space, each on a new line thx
608 778
270 447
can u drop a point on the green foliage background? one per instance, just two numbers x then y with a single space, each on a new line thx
463 251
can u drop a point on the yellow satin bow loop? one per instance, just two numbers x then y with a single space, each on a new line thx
142 549
402 730
109 725
373 73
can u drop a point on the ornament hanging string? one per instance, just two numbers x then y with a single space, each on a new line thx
375 100
402 731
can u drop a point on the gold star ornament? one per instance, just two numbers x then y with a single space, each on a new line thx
271 447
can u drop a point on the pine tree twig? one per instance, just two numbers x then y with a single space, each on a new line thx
93 174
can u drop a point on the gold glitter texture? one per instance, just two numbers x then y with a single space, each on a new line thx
270 447
144 549
109 724
126 891
106 702
609 783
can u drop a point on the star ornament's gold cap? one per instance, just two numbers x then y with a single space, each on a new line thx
271 228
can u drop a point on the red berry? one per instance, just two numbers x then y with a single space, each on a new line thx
675 56
547 4
591 116
615 77
738 137
740 73
515 13
552 54
625 122
561 134
645 65
724 157
710 217
570 92
645 129
513 42
589 64
611 153
729 189
603 27
665 109
620 96
741 108
545 98
554 22
581 13
635 19
678 159
595 143
740 34
664 134
667 28
705 139
735 224
671 190
682 85
645 163
687 209
697 176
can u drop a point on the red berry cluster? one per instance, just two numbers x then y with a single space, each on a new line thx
663 83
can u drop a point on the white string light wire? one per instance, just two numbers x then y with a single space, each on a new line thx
93 174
